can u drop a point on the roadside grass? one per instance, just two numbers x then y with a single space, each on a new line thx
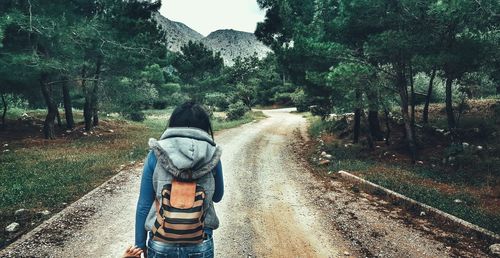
38 174
468 191
221 124
467 209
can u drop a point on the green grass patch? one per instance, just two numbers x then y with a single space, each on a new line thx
222 124
471 180
466 210
39 174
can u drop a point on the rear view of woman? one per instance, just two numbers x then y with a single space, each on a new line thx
181 180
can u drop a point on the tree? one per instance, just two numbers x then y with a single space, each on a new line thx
198 67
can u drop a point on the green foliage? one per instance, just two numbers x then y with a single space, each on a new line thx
217 99
137 116
199 68
446 202
300 100
236 110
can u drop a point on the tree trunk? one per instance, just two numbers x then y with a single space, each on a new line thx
357 119
403 93
374 125
87 110
48 126
95 93
68 108
58 116
369 137
412 101
388 127
5 106
449 104
357 125
373 120
425 115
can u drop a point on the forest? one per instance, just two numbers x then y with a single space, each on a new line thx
111 57
402 92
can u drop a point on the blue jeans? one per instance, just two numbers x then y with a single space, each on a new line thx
163 250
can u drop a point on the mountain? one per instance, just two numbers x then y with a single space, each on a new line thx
230 43
177 33
233 43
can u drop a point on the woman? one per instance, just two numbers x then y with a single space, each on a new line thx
185 152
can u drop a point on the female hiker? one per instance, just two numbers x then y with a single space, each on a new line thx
181 180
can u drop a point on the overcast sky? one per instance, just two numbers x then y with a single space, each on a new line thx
206 16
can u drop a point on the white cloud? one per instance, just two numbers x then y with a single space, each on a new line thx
206 16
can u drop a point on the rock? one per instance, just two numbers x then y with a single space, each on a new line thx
495 249
458 201
324 162
22 213
44 213
12 227
424 228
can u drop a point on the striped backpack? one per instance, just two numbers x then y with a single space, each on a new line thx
180 216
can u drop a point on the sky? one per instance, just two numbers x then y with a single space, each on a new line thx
206 16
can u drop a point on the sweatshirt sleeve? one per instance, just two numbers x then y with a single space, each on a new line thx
219 183
146 199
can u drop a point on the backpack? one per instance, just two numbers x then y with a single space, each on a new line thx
180 215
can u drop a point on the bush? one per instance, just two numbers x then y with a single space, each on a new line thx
300 101
160 104
217 99
137 116
236 110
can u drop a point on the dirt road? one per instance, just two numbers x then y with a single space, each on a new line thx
272 207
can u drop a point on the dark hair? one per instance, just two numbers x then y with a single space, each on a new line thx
191 114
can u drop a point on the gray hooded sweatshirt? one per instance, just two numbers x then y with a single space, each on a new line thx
179 150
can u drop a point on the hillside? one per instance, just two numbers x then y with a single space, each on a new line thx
232 43
177 33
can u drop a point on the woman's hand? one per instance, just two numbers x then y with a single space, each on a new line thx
133 252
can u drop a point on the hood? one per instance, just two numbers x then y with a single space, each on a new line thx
185 152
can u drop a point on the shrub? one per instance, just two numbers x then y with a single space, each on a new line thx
236 110
217 99
299 99
137 116
160 104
